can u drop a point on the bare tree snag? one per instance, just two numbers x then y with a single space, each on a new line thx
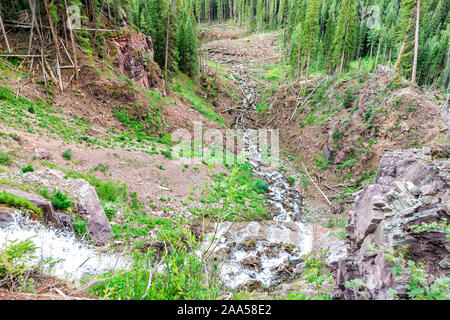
4 35
402 49
52 30
69 25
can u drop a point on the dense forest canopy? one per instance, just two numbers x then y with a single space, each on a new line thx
317 35
329 34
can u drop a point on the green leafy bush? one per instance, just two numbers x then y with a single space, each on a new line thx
61 201
15 270
421 285
67 155
5 158
80 226
28 168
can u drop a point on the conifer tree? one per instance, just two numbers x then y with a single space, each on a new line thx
310 32
344 38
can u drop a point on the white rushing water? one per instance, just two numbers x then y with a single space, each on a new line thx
269 247
263 252
74 258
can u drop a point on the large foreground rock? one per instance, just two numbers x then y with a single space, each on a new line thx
85 197
410 188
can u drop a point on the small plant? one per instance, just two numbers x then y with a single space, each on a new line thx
28 168
60 201
349 98
112 191
110 210
102 167
15 270
316 272
421 285
67 155
15 137
5 158
356 285
80 226
292 180
443 226
337 135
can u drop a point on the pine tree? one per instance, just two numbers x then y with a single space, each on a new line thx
187 46
344 38
406 36
310 32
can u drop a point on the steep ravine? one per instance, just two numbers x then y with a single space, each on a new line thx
262 253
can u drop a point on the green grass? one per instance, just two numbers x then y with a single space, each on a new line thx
28 168
18 202
184 275
39 118
187 89
5 159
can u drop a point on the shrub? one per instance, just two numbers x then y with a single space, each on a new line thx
349 98
14 264
67 155
183 276
80 226
60 201
421 285
28 168
5 158
112 191
259 186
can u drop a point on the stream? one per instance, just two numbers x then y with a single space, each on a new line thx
262 253
74 258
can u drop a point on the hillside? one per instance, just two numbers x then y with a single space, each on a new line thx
200 150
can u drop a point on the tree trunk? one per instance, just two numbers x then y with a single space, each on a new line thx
416 44
52 30
4 35
447 70
400 54
69 25
166 62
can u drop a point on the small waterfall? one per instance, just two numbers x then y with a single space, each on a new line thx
75 258
264 252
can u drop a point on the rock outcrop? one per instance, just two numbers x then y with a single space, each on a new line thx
49 214
410 188
134 56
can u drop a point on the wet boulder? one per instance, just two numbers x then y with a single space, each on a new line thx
263 253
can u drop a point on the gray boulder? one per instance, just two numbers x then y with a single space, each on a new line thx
49 215
85 197
410 188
